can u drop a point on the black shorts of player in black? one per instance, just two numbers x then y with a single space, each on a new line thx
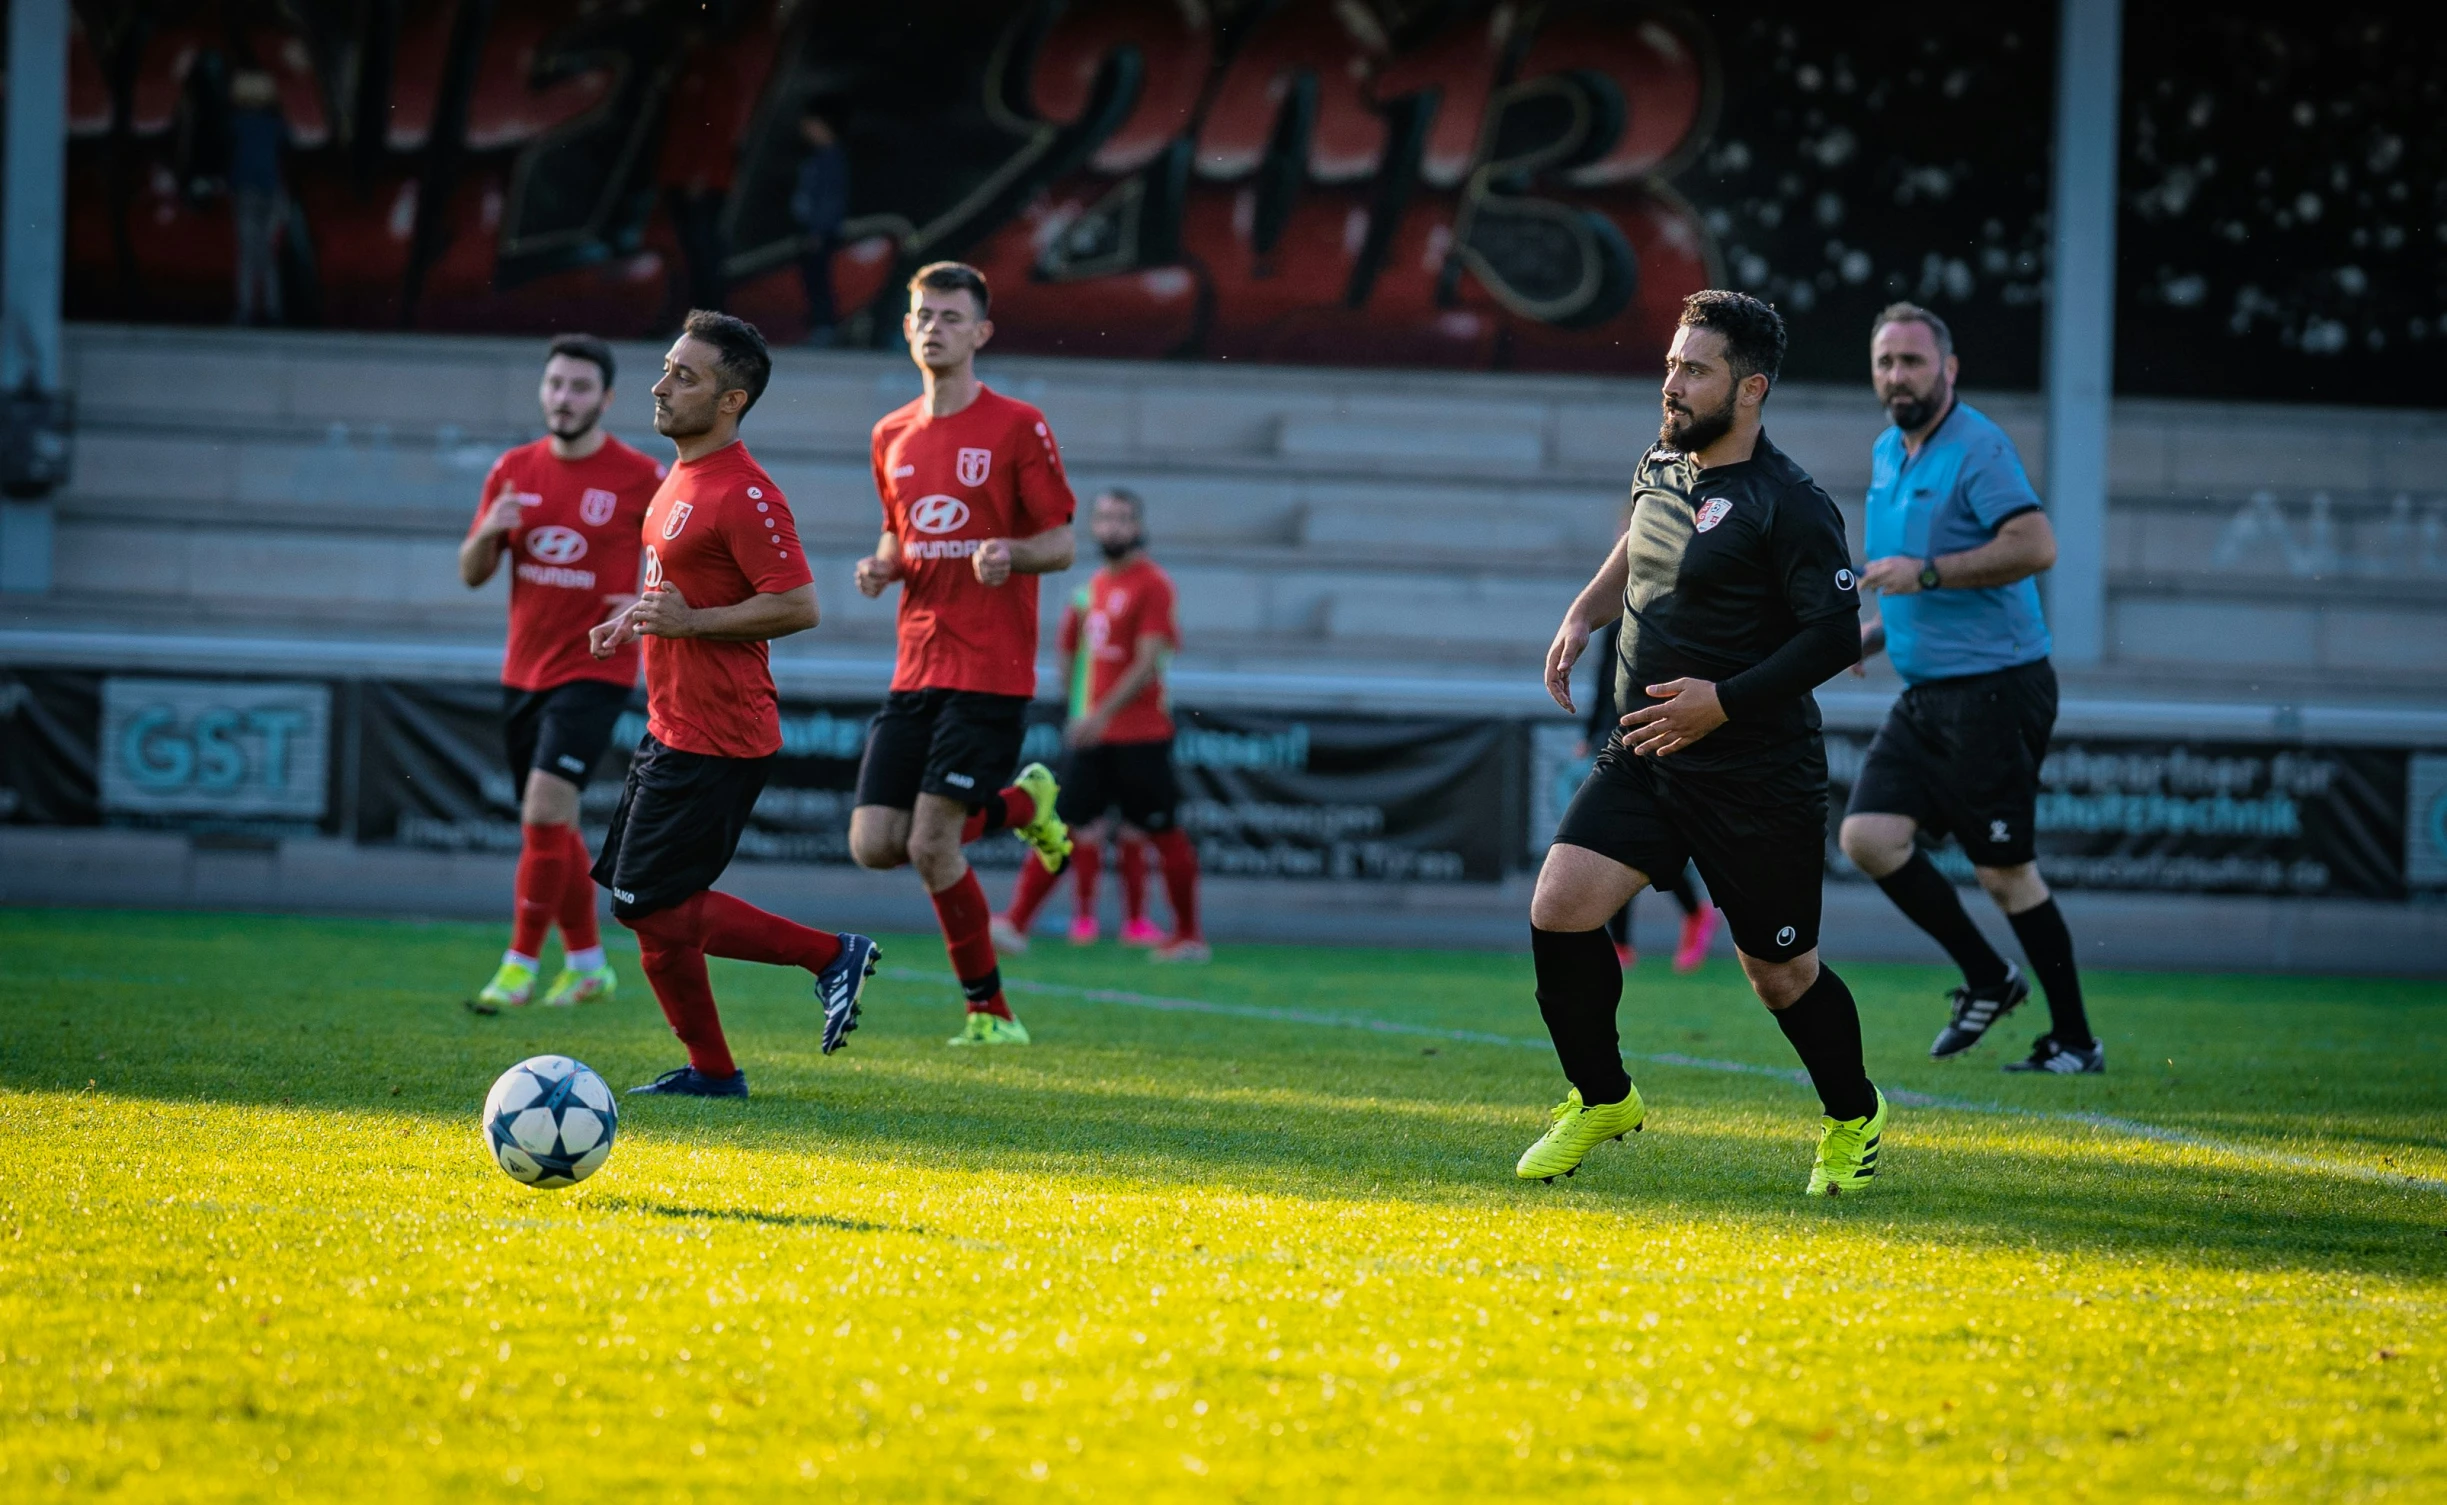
960 744
1758 839
562 730
1962 756
1135 777
678 825
1736 574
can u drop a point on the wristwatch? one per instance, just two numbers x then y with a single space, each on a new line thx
1928 574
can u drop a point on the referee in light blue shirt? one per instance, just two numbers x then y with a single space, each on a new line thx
1955 534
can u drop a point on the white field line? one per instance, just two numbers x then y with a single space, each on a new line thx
2134 1128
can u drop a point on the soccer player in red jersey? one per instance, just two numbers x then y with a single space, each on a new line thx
724 576
1121 733
567 509
975 508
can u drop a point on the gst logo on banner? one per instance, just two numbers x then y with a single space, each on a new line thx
597 505
213 747
974 465
939 513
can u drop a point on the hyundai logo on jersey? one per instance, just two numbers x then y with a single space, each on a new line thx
556 544
940 513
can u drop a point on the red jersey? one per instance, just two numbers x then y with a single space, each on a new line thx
718 532
1100 634
574 547
990 470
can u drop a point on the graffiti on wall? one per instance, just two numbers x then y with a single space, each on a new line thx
1467 184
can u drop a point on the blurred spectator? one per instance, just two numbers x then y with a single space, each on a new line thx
259 200
818 204
700 144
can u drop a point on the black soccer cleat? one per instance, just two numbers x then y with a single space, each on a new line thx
688 1081
1975 1009
2046 1055
838 987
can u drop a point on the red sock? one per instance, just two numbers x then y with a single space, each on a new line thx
1028 895
963 911
1180 880
579 928
1007 807
1134 880
675 967
1087 861
737 929
543 862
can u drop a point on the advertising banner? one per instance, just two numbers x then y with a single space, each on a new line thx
48 721
235 749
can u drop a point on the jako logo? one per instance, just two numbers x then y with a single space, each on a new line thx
556 545
938 513
597 505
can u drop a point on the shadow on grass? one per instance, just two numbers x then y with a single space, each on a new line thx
753 1215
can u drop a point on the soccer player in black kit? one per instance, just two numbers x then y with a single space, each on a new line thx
1737 596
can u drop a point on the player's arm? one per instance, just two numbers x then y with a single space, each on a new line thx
880 568
1048 553
480 552
1598 603
1145 665
664 613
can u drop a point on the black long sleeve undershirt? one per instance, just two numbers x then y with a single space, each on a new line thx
1808 659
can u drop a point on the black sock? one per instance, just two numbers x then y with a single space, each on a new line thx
1684 894
1928 901
2049 945
1579 985
1824 1025
1620 926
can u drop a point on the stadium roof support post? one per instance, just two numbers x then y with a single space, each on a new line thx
32 247
2082 321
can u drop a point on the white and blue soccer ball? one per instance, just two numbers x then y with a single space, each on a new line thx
549 1122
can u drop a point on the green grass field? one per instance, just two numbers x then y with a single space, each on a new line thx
250 1246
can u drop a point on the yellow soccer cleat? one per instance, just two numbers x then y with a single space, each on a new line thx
575 986
990 1029
1577 1130
511 988
1847 1153
1048 832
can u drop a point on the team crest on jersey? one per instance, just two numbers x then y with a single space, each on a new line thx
677 520
974 464
1716 511
597 505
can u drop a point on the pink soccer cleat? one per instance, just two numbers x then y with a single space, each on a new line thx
1698 929
1142 932
1085 930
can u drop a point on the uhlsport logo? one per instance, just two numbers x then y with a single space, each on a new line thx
556 545
1844 580
677 520
939 513
974 466
597 505
1785 936
1716 511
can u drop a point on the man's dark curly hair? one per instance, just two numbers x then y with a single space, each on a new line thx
1753 330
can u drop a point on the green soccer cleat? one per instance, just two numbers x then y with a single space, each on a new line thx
510 988
575 986
1048 833
1847 1153
990 1029
1577 1130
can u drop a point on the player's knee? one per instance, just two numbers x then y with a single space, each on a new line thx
1872 848
2014 888
1780 986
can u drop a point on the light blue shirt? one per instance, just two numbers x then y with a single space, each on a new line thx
1952 496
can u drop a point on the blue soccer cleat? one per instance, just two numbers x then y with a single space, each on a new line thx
688 1081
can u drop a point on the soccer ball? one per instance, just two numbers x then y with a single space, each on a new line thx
549 1122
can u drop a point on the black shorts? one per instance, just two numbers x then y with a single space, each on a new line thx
1758 839
960 744
680 818
1962 756
562 730
1137 776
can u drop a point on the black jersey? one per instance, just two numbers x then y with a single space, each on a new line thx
1732 566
